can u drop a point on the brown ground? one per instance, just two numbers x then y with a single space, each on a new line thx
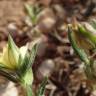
55 56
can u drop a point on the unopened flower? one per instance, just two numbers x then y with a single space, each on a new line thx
76 44
12 57
83 39
15 63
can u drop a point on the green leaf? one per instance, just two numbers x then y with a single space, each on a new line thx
41 89
31 13
28 60
24 67
29 10
80 52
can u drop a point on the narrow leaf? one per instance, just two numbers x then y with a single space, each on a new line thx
41 89
30 10
31 13
9 76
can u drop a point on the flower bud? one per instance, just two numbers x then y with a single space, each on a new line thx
15 63
83 39
79 51
11 53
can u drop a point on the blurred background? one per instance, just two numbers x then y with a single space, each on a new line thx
55 57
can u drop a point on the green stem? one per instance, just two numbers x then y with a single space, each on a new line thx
29 90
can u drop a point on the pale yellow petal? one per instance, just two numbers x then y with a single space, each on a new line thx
23 51
4 59
13 53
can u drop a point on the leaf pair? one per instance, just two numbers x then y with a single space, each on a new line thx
33 11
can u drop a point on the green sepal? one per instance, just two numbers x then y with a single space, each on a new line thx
23 66
87 34
13 52
28 60
11 43
33 53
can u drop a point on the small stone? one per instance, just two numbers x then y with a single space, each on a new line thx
9 90
46 20
42 46
45 69
60 12
12 27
